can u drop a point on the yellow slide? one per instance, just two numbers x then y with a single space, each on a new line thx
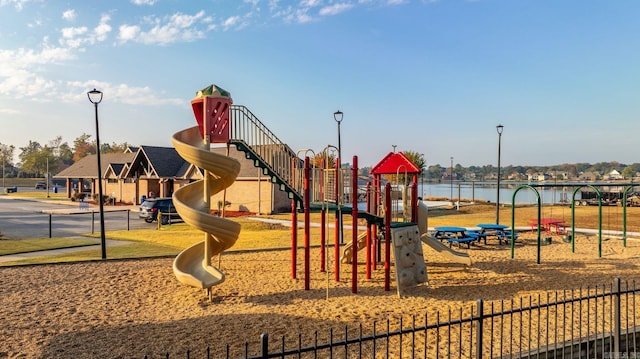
193 265
348 247
435 244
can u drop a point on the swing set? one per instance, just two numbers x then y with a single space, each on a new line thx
577 186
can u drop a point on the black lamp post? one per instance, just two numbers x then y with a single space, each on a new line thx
499 128
424 167
337 116
95 97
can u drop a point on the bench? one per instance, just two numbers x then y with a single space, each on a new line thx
467 240
506 236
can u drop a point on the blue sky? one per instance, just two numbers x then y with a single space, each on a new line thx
431 76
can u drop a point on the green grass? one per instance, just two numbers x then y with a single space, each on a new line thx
171 240
13 246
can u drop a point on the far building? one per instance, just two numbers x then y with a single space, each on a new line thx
150 171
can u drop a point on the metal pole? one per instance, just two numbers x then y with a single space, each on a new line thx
451 181
337 116
499 128
103 241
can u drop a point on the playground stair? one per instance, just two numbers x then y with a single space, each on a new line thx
276 159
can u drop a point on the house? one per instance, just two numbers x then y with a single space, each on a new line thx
614 175
151 171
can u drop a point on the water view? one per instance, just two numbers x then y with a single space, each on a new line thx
484 191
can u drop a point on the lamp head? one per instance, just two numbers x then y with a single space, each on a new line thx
499 128
95 96
337 116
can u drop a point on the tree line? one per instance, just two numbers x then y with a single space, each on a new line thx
36 159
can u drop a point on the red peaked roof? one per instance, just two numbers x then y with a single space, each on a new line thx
395 162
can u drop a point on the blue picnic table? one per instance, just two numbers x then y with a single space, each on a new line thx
454 235
500 231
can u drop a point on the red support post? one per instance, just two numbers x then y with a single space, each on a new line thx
414 199
387 237
354 226
371 228
294 238
368 249
323 235
307 234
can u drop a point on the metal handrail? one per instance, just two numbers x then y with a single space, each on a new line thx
278 157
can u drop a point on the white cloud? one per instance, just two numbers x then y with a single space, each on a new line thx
143 2
229 22
310 3
169 29
18 78
335 9
128 32
17 4
76 37
74 91
69 15
103 29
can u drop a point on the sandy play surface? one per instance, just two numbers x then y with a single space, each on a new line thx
123 309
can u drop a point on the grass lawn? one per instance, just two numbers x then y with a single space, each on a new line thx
170 240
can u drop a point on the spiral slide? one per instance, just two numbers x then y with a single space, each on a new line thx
193 265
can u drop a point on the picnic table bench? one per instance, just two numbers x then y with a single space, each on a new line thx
456 235
546 225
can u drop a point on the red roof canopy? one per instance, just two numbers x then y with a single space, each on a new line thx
395 162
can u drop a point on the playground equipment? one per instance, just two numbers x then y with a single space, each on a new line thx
577 187
193 201
219 121
400 218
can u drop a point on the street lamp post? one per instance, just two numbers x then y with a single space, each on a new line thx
337 116
424 166
451 181
499 128
95 97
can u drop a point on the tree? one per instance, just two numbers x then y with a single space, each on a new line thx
630 171
319 161
6 157
29 156
82 147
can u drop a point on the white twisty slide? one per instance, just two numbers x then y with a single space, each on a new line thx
193 266
455 256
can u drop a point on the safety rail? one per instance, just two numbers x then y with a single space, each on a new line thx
276 158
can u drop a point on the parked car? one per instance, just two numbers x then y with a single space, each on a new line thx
149 210
41 185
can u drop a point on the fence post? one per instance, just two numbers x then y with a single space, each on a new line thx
264 345
159 218
128 220
480 327
93 219
50 235
616 317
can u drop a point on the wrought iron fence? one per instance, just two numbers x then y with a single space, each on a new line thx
592 322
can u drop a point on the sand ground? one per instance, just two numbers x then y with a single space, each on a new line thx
133 308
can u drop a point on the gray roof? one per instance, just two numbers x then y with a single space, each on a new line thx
87 167
165 160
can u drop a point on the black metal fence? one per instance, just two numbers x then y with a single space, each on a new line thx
70 222
592 322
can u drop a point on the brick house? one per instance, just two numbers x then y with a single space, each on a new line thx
152 171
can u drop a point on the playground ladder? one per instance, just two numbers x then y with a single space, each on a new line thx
275 158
